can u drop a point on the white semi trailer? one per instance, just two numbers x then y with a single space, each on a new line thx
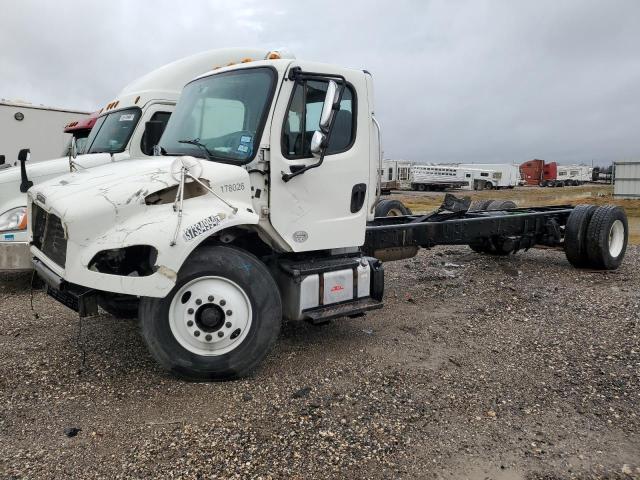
261 207
36 127
128 126
503 175
573 175
439 177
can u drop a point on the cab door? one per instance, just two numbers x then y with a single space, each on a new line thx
156 112
324 207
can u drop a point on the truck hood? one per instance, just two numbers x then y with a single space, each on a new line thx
125 184
12 197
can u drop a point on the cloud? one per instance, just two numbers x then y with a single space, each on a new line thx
457 80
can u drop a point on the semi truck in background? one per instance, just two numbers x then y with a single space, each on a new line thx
549 174
36 127
537 172
128 126
261 207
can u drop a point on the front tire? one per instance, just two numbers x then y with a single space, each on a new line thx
219 321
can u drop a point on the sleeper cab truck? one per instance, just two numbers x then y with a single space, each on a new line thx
128 126
261 206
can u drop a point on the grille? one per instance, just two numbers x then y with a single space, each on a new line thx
48 235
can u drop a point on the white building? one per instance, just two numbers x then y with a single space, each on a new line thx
626 179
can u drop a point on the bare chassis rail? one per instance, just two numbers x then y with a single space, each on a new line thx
522 228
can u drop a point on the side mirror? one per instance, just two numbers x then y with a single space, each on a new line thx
73 148
153 131
25 183
317 142
330 101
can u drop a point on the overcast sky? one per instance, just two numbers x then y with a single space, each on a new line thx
456 80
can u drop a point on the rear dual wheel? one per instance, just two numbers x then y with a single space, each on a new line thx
219 321
596 237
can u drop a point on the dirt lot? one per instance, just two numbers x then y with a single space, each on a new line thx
478 367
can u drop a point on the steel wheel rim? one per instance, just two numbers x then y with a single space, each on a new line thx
616 238
394 212
210 316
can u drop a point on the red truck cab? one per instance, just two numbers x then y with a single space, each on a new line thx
538 173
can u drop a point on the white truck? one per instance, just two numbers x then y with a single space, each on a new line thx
128 126
36 127
261 207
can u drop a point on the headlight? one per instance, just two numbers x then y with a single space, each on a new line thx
14 219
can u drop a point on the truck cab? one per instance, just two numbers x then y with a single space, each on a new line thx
126 127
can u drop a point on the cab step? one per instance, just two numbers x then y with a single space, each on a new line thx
351 309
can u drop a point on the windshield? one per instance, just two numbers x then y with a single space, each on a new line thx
111 132
224 113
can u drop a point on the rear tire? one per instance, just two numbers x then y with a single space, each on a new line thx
391 208
422 187
607 237
219 321
575 235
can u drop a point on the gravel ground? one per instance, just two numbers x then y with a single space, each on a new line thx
478 367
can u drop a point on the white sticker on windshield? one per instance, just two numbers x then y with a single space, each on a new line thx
243 148
127 117
245 139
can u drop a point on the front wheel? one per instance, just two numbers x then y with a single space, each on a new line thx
220 320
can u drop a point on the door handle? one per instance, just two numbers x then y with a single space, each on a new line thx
358 195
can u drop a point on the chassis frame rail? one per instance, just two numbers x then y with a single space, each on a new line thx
521 227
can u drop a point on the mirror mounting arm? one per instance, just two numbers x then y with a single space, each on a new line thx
298 171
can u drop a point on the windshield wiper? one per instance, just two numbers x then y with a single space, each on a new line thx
198 143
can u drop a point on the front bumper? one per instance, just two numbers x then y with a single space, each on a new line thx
80 299
15 257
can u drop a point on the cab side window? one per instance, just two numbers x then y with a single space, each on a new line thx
162 117
303 118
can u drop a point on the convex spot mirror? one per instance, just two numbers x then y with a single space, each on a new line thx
73 148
